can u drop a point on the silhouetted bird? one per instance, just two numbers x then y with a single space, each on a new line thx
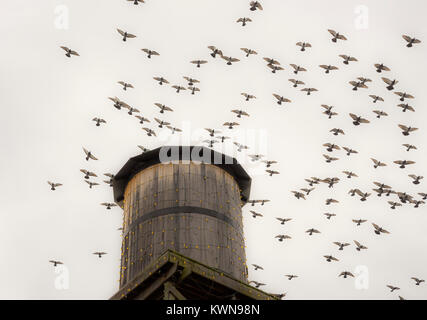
99 254
150 53
328 68
88 174
359 246
390 83
191 81
417 203
347 59
403 163
329 159
392 288
210 142
330 200
198 62
136 2
163 108
282 237
89 155
415 178
297 68
406 107
331 147
404 95
212 132
69 52
271 172
255 214
249 51
149 132
274 68
284 220
222 138
331 258
131 110
99 121
376 98
126 35
341 245
193 89
349 150
240 147
328 111
331 181
357 120
254 5
298 194
54 185
108 205
379 230
303 45
311 231
410 40
346 274
336 35
248 96
309 90
280 99
161 80
358 222
350 174
257 284
91 184
173 129
337 131
394 204
296 82
380 113
230 60
215 51
424 195
178 88
268 163
381 67
230 124
256 267
406 129
363 195
161 123
243 21
55 262
142 119
417 281
378 163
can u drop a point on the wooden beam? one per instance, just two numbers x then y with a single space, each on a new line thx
170 288
157 283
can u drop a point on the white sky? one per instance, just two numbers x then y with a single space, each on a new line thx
48 102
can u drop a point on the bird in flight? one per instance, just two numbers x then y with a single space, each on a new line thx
329 215
248 96
378 163
55 262
117 103
404 95
271 172
173 129
417 281
255 214
69 52
142 119
328 111
163 107
330 200
331 147
256 267
161 80
406 130
284 220
309 90
54 185
357 120
349 150
282 237
405 107
347 59
91 184
311 231
230 60
346 274
215 51
394 204
359 246
268 163
390 83
350 174
358 222
363 196
98 121
274 68
89 155
88 174
380 113
108 205
230 124
291 276
240 146
379 230
136 2
126 35
328 68
381 67
178 88
296 82
149 132
330 258
210 142
143 149
341 245
198 63
298 194
161 123
249 51
254 5
331 181
376 98
392 288
243 21
212 132
336 35
257 284
403 163
271 61
303 45
415 178
99 254
193 89
191 81
329 159
409 147
150 53
125 85
280 99
240 113
410 41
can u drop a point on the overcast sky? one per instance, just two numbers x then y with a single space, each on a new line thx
49 100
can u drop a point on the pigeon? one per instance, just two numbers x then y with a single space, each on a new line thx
330 200
274 68
163 108
352 192
312 181
309 90
390 83
243 21
222 138
376 98
403 163
256 267
54 185
357 120
249 51
230 60
363 196
378 163
131 110
346 274
212 131
252 202
89 155
118 104
331 181
240 113
406 129
337 131
126 35
379 230
69 52
281 237
417 203
358 222
382 185
347 59
381 67
88 174
296 82
329 215
254 5
271 61
125 85
198 63
307 191
240 147
191 81
91 184
410 40
99 254
379 192
404 95
193 89
350 174
108 205
297 68
415 178
161 123
404 197
380 113
329 159
423 195
298 194
359 246
405 107
303 45
331 147
230 124
417 281
311 231
409 146
280 99
142 119
149 132
255 214
55 262
341 245
329 111
257 284
173 129
178 88
392 288
215 51
349 151
291 276
268 163
331 258
394 204
328 68
271 172
161 80
136 2
210 142
358 84
284 220
248 96
99 121
336 35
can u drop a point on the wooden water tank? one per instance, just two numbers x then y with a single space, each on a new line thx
192 207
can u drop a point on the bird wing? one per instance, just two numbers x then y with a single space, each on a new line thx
332 32
407 38
121 32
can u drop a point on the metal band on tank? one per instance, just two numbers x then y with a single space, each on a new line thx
183 209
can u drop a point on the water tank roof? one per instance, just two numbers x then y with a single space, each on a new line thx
166 154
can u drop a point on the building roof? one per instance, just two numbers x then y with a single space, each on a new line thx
175 276
167 154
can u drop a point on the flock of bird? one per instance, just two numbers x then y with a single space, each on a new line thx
396 198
